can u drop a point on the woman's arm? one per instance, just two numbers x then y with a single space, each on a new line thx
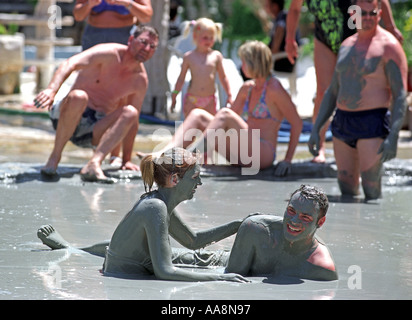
278 97
191 239
82 8
224 79
238 104
389 22
155 224
292 20
141 9
288 109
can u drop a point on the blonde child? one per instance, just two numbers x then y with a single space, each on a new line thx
203 63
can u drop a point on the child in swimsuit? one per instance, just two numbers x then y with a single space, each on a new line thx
203 63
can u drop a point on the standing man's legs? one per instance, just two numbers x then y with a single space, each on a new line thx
370 167
363 162
347 162
71 110
325 61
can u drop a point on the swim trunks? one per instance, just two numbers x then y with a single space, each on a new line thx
350 126
82 136
331 21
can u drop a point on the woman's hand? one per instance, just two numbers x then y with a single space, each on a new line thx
234 277
282 168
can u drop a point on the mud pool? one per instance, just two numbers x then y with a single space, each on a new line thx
370 242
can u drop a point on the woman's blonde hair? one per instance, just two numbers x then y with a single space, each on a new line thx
257 57
158 169
202 24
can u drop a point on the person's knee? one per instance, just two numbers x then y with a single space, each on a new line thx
130 114
78 96
198 118
371 184
76 100
224 115
74 104
349 187
198 113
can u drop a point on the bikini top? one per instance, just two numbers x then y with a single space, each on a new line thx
104 6
260 111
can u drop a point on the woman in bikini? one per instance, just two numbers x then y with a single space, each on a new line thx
110 20
260 106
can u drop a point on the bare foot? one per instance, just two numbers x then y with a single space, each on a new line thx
320 158
50 168
50 172
115 161
130 166
94 173
51 238
141 155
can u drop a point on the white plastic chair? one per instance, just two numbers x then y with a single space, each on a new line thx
291 76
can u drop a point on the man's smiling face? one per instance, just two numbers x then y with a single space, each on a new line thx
300 220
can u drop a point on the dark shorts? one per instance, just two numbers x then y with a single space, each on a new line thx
283 65
350 126
83 135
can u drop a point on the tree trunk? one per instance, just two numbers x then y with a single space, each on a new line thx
155 99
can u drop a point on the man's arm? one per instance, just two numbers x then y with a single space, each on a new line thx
395 70
243 252
77 62
326 109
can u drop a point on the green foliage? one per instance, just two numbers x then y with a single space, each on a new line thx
10 30
402 14
238 18
243 22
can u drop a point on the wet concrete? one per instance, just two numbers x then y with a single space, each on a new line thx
370 242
